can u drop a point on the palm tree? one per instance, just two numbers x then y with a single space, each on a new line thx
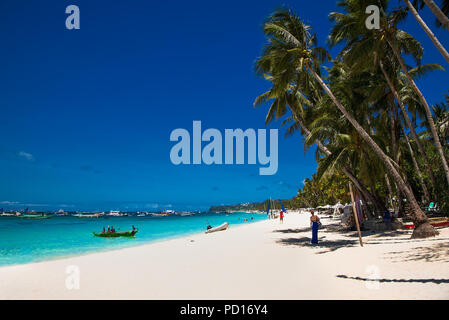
362 43
418 71
426 108
440 14
427 30
292 50
441 111
289 97
415 165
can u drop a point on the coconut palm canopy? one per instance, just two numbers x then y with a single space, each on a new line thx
362 108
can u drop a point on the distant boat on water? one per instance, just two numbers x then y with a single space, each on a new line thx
8 214
115 213
35 216
184 213
61 213
165 213
93 215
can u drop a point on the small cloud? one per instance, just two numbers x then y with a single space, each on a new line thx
25 155
9 203
36 204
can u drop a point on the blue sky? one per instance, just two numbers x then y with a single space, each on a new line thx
86 114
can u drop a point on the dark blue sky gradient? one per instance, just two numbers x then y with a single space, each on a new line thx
86 114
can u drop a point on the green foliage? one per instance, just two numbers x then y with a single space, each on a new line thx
327 190
288 60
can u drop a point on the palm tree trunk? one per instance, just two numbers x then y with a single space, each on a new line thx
390 192
409 125
427 30
378 206
444 20
394 143
423 228
415 164
358 184
426 107
395 156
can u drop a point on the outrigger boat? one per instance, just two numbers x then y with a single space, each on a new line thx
116 234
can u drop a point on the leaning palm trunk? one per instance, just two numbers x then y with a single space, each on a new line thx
394 144
444 20
358 184
415 164
390 192
423 228
427 30
378 206
426 107
409 125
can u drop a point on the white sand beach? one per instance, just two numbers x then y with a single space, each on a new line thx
262 260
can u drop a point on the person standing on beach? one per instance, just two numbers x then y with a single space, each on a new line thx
387 220
314 224
281 216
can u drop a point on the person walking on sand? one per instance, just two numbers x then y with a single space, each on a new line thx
314 224
281 216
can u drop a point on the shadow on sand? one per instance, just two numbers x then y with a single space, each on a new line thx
300 230
437 252
329 245
436 281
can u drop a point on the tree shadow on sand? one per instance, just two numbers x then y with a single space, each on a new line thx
329 245
437 252
436 281
299 230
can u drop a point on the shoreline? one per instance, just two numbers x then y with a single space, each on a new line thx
263 260
110 249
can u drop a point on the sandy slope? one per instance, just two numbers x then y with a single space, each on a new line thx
263 260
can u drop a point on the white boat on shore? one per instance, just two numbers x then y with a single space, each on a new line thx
221 227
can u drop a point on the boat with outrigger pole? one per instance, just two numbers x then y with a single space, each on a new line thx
112 233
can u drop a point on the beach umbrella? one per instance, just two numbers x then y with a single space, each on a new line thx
338 205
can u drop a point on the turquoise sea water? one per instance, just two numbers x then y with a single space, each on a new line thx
23 241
